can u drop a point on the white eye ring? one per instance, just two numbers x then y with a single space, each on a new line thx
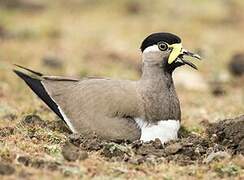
163 46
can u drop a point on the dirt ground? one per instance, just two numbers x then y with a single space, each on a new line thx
220 143
101 38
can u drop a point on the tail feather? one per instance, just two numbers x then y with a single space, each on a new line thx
34 72
39 89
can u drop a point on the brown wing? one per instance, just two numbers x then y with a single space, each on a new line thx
96 104
92 105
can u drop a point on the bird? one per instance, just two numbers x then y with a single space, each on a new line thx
113 109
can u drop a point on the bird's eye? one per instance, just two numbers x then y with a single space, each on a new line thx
162 46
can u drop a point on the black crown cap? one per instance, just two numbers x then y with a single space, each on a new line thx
157 37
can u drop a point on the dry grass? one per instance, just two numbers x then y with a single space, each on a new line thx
102 38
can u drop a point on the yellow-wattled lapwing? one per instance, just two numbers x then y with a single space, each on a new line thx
121 109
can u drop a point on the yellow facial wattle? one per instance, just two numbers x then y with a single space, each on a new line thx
176 51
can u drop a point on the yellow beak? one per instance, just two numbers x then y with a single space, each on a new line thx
176 51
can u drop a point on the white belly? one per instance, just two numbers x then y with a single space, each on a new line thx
165 130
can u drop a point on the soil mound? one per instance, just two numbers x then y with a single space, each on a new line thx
224 136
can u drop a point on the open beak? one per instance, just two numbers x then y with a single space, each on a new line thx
181 59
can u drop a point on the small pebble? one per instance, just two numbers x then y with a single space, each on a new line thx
216 156
114 150
33 120
6 169
236 65
52 61
6 131
173 148
70 152
134 7
157 143
218 91
25 160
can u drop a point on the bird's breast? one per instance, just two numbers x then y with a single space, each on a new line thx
163 105
165 130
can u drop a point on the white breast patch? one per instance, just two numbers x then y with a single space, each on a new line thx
165 130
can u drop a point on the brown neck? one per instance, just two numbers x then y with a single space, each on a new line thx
152 71
158 93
